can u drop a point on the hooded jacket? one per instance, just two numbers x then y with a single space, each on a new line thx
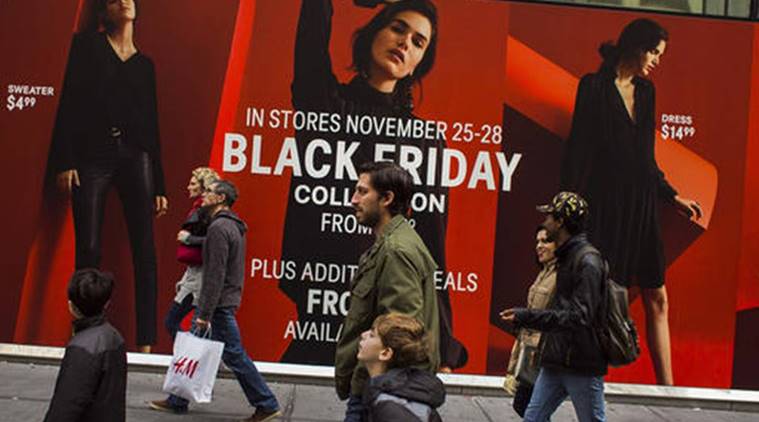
404 394
223 264
570 342
91 384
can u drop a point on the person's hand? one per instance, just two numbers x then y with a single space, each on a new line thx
202 324
688 207
508 315
161 205
67 179
183 235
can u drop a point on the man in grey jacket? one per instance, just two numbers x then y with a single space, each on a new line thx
220 296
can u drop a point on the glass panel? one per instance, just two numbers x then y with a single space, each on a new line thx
735 8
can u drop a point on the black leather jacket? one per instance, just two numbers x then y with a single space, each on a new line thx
570 342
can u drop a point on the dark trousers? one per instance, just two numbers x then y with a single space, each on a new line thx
129 170
522 398
176 314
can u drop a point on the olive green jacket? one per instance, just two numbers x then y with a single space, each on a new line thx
394 275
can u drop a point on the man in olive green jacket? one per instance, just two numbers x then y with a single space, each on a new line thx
394 275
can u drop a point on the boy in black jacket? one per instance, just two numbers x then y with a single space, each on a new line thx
392 352
91 383
572 361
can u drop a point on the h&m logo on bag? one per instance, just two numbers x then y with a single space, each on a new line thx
185 366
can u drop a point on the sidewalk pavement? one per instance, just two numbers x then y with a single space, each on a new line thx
26 389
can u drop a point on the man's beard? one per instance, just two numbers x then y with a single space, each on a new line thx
369 218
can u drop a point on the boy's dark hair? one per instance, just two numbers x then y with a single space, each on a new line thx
90 290
386 176
228 189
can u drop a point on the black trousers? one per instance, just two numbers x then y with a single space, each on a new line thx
127 168
522 398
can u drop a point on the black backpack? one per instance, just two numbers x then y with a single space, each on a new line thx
614 327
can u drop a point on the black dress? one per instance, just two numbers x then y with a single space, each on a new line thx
609 159
315 88
107 129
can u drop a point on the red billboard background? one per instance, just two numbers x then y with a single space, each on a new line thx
515 65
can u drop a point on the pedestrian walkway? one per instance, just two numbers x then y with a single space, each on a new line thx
26 389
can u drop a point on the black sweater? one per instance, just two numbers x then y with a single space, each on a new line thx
101 91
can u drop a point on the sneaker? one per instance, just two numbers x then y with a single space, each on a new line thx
263 415
165 406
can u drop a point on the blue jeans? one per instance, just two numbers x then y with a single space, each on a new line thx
355 409
224 328
553 386
176 314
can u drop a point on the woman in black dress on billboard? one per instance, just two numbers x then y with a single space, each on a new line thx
391 53
106 135
610 160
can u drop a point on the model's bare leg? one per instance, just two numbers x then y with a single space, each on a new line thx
657 333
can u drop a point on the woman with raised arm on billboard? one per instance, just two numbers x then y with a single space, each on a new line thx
106 135
391 53
610 160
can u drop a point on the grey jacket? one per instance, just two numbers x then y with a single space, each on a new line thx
223 264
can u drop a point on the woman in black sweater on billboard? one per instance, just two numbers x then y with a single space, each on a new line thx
391 53
106 135
610 160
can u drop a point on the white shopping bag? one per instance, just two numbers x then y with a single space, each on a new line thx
193 367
